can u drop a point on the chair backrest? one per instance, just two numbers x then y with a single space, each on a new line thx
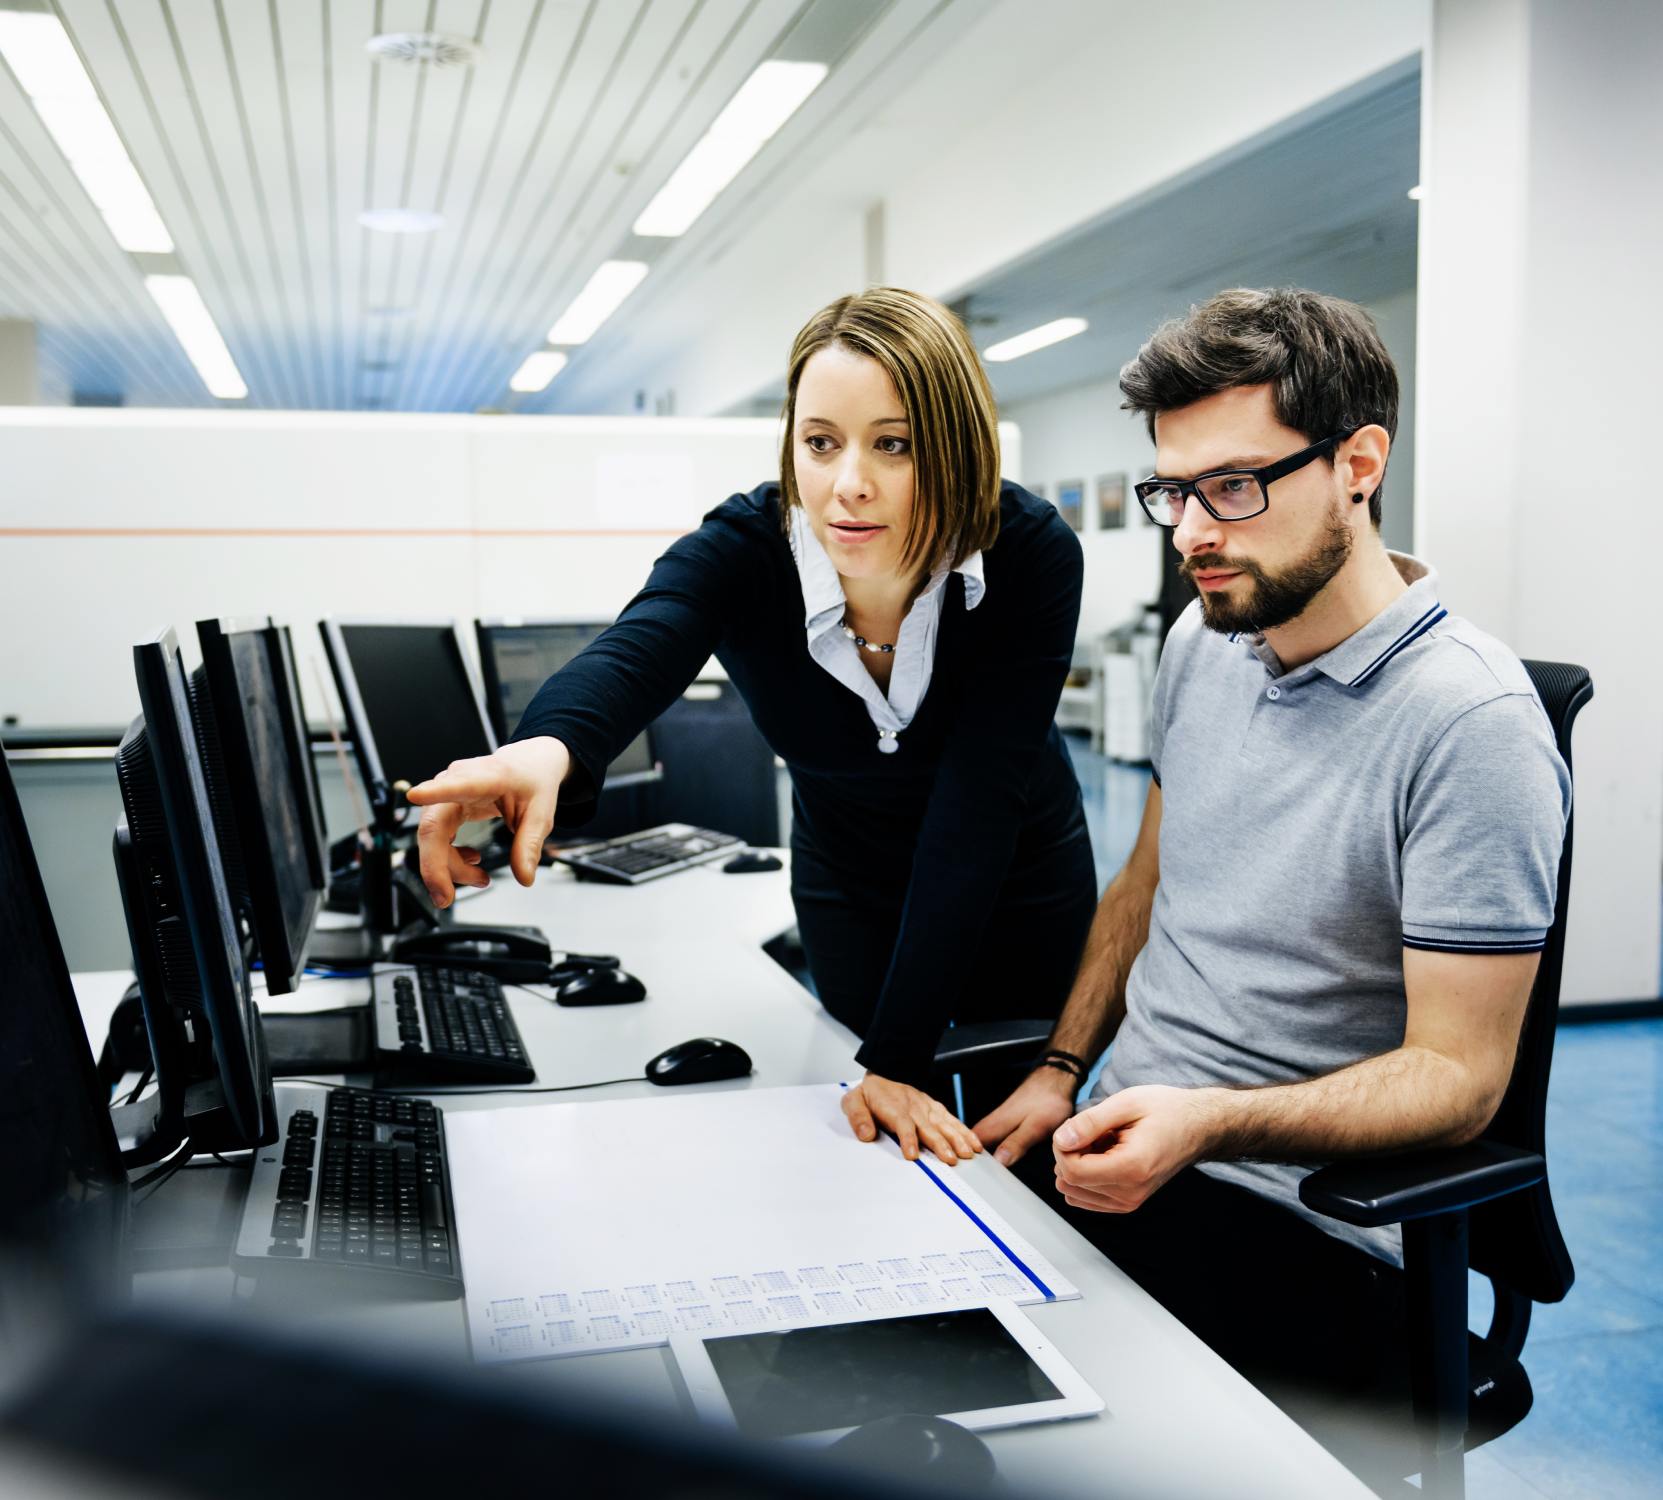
1516 1240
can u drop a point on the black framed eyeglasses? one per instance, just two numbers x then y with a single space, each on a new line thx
1226 494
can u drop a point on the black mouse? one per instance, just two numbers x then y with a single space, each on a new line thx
705 1059
910 1444
750 861
599 986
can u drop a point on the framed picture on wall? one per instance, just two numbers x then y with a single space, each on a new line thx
1071 494
1111 502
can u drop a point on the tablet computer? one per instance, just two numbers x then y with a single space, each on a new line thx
982 1367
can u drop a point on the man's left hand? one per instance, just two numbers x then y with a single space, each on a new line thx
1113 1156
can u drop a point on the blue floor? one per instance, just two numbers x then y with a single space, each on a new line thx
1596 1359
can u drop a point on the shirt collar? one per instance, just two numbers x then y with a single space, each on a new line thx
823 601
1364 653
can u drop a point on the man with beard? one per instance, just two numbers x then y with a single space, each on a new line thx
1324 940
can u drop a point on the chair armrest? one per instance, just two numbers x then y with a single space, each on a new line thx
990 1044
1371 1191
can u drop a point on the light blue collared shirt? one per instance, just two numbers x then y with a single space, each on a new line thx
823 609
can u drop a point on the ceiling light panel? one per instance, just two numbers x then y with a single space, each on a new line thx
605 291
38 51
401 220
1035 338
537 371
187 314
765 101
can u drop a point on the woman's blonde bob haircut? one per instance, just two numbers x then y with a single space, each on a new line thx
949 406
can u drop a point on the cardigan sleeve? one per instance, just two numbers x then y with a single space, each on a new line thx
1007 690
640 665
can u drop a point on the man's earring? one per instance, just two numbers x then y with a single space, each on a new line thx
1358 499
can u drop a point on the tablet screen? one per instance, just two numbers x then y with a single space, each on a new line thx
820 1379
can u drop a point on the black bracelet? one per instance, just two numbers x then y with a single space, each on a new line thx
1067 1062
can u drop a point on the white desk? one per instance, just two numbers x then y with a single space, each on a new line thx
1179 1422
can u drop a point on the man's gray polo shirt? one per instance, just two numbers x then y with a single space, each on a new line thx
1401 790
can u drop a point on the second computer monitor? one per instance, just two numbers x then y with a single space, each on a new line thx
517 657
246 704
410 701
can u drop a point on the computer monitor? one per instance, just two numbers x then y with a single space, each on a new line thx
213 1079
63 1193
312 784
410 700
245 704
516 657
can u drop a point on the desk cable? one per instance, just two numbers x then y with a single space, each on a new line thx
178 1162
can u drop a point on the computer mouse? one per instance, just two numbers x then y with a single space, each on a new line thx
705 1059
913 1445
600 986
749 862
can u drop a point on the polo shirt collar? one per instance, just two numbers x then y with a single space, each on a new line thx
1368 651
823 601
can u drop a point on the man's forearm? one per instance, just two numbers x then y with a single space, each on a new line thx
1097 1003
1407 1098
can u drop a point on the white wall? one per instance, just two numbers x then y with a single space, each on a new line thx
1539 325
116 524
1080 433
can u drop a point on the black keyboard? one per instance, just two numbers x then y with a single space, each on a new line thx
636 857
440 1025
355 1194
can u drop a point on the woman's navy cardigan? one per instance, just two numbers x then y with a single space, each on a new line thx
979 787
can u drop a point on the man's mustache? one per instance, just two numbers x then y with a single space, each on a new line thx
1217 562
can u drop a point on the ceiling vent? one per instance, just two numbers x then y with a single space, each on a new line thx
436 47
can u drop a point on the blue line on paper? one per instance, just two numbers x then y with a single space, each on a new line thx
970 1214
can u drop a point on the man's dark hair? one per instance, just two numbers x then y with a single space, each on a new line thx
1321 357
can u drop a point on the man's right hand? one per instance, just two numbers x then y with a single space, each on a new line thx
520 783
1041 1102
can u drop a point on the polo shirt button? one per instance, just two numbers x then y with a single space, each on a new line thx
886 741
1273 693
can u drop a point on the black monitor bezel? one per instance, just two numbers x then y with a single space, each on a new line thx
352 701
227 999
282 967
311 782
65 1014
493 683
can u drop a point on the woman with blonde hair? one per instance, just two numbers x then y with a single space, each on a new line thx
899 622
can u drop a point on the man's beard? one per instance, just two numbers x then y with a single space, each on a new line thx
1276 598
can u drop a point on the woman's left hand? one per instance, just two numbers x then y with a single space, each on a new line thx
911 1115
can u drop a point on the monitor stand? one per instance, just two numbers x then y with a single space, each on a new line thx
321 1041
402 925
188 1104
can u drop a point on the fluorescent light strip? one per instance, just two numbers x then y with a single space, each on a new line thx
537 371
38 50
765 101
187 314
1035 338
613 281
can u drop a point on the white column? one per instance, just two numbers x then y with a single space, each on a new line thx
1538 330
19 377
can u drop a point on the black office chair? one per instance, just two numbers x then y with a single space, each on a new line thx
1485 1205
977 1065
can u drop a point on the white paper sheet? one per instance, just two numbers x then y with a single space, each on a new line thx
606 1226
